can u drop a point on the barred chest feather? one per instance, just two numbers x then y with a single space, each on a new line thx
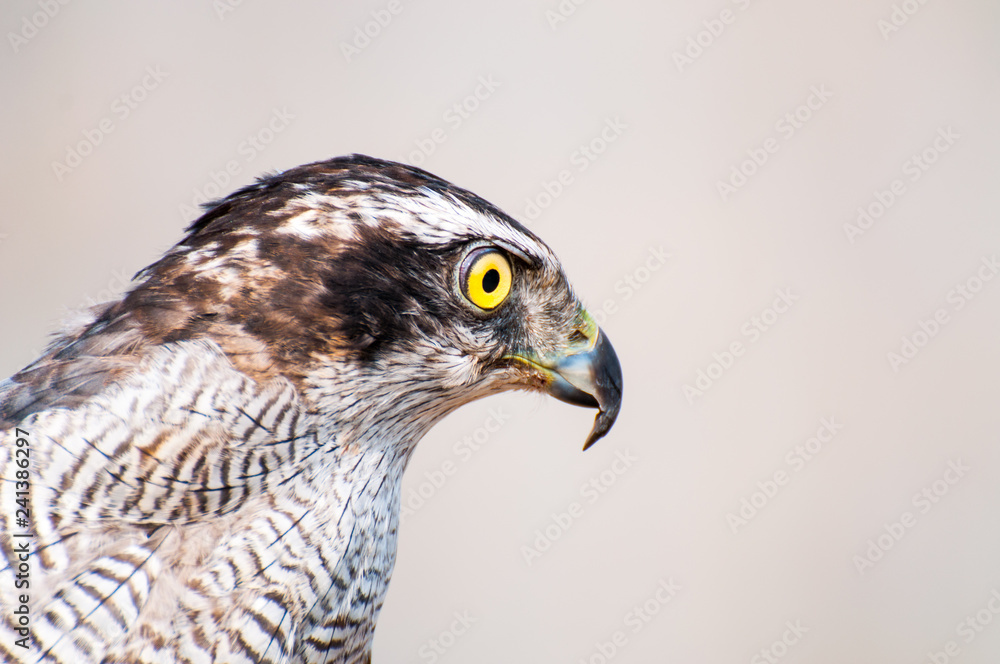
270 539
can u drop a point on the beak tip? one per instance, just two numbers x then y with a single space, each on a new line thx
603 422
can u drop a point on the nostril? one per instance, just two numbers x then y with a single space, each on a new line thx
578 337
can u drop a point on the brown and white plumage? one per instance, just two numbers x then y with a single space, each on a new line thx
216 458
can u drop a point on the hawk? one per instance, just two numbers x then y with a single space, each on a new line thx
208 469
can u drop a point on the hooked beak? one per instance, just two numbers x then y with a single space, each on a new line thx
590 377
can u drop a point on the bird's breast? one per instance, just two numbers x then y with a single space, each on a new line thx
310 568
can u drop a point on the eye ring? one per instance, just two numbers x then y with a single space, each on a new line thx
485 278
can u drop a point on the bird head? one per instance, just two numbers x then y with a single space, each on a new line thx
384 293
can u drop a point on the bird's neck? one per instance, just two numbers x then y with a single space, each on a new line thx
350 526
366 432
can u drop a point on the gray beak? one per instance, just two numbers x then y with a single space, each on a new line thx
592 378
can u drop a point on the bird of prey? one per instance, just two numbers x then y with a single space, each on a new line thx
208 469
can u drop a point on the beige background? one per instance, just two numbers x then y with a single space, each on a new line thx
280 73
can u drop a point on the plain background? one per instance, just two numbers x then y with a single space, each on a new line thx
668 99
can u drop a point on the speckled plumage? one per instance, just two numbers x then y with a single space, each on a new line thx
216 458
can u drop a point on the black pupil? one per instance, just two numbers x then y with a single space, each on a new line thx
491 280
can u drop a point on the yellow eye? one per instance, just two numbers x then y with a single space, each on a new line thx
486 278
